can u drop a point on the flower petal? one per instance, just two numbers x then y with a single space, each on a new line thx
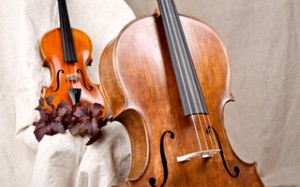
93 127
49 101
41 104
65 105
40 130
57 127
97 110
61 112
44 115
78 129
82 111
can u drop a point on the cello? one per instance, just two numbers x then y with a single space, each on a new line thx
166 79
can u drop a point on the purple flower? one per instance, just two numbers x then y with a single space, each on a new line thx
86 120
89 121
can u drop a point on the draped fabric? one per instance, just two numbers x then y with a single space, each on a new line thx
60 160
262 41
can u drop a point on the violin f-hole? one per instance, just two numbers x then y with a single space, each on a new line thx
57 81
83 78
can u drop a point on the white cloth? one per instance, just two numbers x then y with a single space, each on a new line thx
65 160
60 160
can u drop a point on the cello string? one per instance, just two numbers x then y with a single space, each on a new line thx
185 58
196 94
193 97
188 86
206 122
211 132
193 94
173 41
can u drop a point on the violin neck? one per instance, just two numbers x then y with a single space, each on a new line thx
66 33
190 92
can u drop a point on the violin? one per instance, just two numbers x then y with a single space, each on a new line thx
166 78
67 52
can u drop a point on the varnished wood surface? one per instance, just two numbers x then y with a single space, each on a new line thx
52 53
139 84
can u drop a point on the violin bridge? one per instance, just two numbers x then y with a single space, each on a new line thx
204 154
72 77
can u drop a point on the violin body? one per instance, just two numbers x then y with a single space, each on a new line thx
67 52
65 75
138 81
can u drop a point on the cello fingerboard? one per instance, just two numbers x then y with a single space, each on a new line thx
191 96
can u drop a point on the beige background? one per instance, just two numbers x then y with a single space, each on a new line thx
262 40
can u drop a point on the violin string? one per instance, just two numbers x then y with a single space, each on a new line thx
62 30
195 96
173 41
72 50
66 30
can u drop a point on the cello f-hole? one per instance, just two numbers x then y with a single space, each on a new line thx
236 168
152 180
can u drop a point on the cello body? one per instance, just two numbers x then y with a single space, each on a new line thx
139 84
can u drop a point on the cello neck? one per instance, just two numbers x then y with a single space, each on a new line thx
191 96
66 34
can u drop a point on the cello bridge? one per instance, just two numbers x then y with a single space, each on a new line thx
204 154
